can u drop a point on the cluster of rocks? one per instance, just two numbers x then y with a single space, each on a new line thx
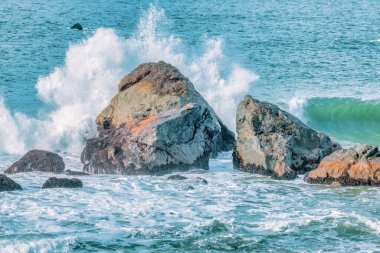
40 161
158 123
273 142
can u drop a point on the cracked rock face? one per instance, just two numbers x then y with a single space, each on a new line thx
348 167
156 123
275 143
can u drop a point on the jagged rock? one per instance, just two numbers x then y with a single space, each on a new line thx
76 173
77 26
7 184
348 167
38 160
176 177
155 124
275 143
55 182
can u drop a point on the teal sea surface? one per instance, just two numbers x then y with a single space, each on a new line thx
319 60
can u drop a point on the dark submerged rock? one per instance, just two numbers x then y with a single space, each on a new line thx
55 182
157 123
77 26
76 173
356 166
273 142
176 177
38 160
7 184
201 180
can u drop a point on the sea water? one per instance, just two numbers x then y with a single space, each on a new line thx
317 59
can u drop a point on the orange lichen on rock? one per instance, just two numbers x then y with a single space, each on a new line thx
355 166
360 170
332 169
139 126
188 107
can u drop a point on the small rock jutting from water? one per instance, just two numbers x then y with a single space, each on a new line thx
176 177
77 26
7 184
55 182
37 160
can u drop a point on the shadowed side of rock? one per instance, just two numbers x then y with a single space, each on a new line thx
273 142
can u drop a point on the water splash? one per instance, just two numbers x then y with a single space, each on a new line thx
10 139
85 84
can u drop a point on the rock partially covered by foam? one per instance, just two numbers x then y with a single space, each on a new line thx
348 167
275 143
38 160
55 182
177 177
7 184
156 123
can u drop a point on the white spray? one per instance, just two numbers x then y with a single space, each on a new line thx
81 88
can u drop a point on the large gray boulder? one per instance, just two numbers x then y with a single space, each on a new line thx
7 184
359 165
37 160
275 143
156 123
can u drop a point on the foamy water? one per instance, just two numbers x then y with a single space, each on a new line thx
81 88
314 59
233 211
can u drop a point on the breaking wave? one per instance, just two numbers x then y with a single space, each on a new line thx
86 82
346 119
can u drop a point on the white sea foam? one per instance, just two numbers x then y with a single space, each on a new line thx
296 106
10 139
41 246
84 85
374 225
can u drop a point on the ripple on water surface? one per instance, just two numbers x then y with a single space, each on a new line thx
150 213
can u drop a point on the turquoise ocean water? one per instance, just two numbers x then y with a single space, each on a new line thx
317 59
